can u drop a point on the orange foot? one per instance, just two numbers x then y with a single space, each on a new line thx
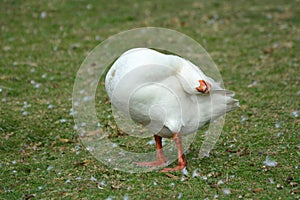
179 167
157 163
204 87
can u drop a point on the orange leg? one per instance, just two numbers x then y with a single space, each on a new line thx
182 163
160 157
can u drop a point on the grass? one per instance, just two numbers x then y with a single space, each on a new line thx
255 46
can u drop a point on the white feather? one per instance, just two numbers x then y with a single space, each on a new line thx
159 91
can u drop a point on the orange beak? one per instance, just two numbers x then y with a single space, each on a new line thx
204 87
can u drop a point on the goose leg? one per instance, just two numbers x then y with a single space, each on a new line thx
182 163
160 157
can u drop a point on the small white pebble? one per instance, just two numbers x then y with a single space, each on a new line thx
269 16
50 167
89 6
32 70
63 120
75 127
0 89
24 106
114 145
40 187
43 15
77 147
103 183
172 184
295 113
97 38
44 75
226 191
195 173
126 197
243 118
89 148
252 84
93 178
14 162
71 112
179 195
151 142
277 124
38 85
78 178
271 180
182 178
204 178
25 113
50 106
184 171
216 196
270 163
278 134
154 183
220 182
14 171
68 181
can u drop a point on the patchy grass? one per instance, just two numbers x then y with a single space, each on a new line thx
255 46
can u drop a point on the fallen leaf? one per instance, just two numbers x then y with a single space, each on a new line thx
172 176
116 186
257 190
293 184
29 196
297 191
65 140
82 163
268 50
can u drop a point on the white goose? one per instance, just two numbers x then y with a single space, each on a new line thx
166 93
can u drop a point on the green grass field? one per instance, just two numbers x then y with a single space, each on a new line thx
254 44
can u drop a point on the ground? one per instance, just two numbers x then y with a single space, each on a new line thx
254 44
